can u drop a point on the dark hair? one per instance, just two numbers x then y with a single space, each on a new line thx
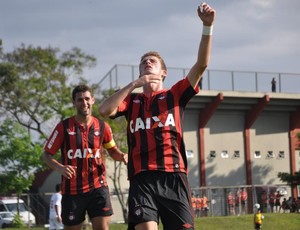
81 89
58 188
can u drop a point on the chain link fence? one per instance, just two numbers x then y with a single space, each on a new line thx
222 201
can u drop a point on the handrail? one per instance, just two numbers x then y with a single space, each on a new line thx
224 80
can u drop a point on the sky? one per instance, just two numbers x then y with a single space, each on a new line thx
249 35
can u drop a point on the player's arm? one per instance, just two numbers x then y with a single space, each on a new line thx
116 154
67 171
207 15
110 106
110 145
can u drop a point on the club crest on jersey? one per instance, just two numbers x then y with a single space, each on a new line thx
160 121
138 211
136 101
71 132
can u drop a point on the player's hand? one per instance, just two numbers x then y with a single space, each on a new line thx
206 14
125 158
68 171
148 79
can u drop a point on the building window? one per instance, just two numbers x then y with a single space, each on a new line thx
236 154
224 154
189 153
270 154
212 154
281 155
257 154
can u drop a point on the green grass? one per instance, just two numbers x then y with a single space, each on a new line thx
276 221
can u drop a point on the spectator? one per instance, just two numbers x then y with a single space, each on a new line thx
277 201
194 201
230 202
284 205
264 201
237 201
198 205
244 198
272 201
204 205
273 83
294 205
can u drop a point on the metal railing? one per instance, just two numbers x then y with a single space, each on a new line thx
220 80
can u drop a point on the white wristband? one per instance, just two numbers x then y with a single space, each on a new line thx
207 30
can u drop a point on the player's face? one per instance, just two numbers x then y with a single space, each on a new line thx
83 103
151 65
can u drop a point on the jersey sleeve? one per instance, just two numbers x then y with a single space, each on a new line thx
108 141
123 107
184 91
55 140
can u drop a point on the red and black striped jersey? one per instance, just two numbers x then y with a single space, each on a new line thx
81 147
154 131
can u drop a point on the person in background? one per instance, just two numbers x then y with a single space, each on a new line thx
244 198
284 205
264 201
55 221
230 202
194 201
277 201
157 165
272 201
198 206
237 199
81 139
205 207
273 83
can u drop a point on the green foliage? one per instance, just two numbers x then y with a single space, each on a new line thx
34 84
18 222
290 178
19 159
35 92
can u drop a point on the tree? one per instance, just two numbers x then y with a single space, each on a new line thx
291 179
34 87
19 159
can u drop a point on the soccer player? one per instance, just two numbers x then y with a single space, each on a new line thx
157 163
81 139
258 217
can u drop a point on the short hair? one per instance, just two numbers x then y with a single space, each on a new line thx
81 89
58 188
155 54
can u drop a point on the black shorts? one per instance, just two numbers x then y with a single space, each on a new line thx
95 203
155 195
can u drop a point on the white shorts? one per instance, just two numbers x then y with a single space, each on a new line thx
54 224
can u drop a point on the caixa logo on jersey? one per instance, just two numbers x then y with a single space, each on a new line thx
151 122
86 153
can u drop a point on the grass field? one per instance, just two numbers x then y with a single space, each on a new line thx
272 221
280 221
